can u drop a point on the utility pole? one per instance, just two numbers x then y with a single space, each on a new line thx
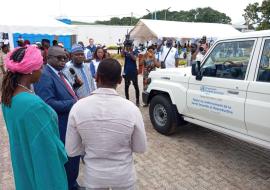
195 16
131 18
166 12
150 13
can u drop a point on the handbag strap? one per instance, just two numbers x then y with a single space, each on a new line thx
167 54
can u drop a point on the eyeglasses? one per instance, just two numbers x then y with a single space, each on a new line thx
61 58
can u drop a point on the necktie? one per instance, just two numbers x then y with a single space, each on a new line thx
67 85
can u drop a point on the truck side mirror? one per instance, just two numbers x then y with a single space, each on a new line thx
195 68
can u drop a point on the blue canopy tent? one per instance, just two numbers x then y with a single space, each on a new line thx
36 28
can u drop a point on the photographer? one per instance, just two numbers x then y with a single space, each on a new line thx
130 68
202 51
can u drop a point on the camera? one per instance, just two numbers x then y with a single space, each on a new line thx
201 49
128 42
203 40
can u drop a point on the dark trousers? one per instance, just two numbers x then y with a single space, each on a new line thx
135 84
72 170
119 49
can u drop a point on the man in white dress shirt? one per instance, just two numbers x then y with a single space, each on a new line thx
107 129
169 54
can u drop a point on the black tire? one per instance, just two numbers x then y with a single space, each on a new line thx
163 115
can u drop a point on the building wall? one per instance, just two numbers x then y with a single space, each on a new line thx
102 34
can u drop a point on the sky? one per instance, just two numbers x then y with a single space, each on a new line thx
91 10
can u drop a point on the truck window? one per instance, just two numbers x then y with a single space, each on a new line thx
229 60
264 67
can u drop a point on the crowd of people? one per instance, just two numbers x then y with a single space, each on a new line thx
66 109
61 107
166 54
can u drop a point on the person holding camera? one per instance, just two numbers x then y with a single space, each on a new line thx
203 48
78 73
202 51
130 73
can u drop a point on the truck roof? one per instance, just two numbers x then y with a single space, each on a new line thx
255 34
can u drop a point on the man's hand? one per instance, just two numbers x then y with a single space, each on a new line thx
78 83
78 80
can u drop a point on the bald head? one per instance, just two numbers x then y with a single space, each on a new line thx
55 51
57 57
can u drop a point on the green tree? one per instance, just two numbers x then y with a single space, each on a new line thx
127 21
210 15
195 15
257 16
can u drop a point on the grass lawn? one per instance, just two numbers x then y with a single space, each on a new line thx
121 59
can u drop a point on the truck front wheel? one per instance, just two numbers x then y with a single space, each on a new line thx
163 115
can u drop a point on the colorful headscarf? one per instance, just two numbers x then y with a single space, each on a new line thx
31 61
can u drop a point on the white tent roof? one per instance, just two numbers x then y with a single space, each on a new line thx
154 29
34 25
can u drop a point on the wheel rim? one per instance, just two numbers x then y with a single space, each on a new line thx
160 115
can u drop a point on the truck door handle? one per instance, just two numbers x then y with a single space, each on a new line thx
233 92
166 78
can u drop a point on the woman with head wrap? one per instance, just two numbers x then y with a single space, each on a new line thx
38 156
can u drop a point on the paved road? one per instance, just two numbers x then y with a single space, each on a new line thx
194 158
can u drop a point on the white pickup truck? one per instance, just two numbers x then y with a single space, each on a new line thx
229 91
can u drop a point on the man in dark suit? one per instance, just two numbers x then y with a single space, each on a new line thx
55 90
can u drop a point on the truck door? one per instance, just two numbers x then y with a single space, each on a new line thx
219 97
257 107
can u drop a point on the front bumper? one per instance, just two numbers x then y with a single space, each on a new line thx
145 97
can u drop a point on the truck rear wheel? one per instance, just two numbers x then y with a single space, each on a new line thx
163 114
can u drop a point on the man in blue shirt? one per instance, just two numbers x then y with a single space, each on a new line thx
130 71
91 50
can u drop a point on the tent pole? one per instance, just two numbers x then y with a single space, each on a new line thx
11 40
